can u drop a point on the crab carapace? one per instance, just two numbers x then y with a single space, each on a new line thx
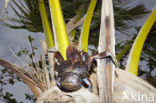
72 73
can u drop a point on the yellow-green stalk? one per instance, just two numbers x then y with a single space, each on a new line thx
133 60
46 25
83 43
60 30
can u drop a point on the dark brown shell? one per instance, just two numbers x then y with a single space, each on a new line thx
70 81
69 73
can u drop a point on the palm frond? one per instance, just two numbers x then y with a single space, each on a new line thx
28 16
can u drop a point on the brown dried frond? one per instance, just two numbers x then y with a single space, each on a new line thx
33 77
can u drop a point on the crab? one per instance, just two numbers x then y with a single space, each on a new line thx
73 73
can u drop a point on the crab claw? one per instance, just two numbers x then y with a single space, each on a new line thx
58 82
58 57
87 81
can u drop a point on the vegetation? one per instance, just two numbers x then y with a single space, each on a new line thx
74 11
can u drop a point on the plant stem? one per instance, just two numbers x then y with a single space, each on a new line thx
105 67
133 59
59 26
83 43
46 25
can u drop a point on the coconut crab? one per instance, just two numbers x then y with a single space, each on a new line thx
72 73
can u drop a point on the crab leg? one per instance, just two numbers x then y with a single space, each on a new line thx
106 54
88 82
